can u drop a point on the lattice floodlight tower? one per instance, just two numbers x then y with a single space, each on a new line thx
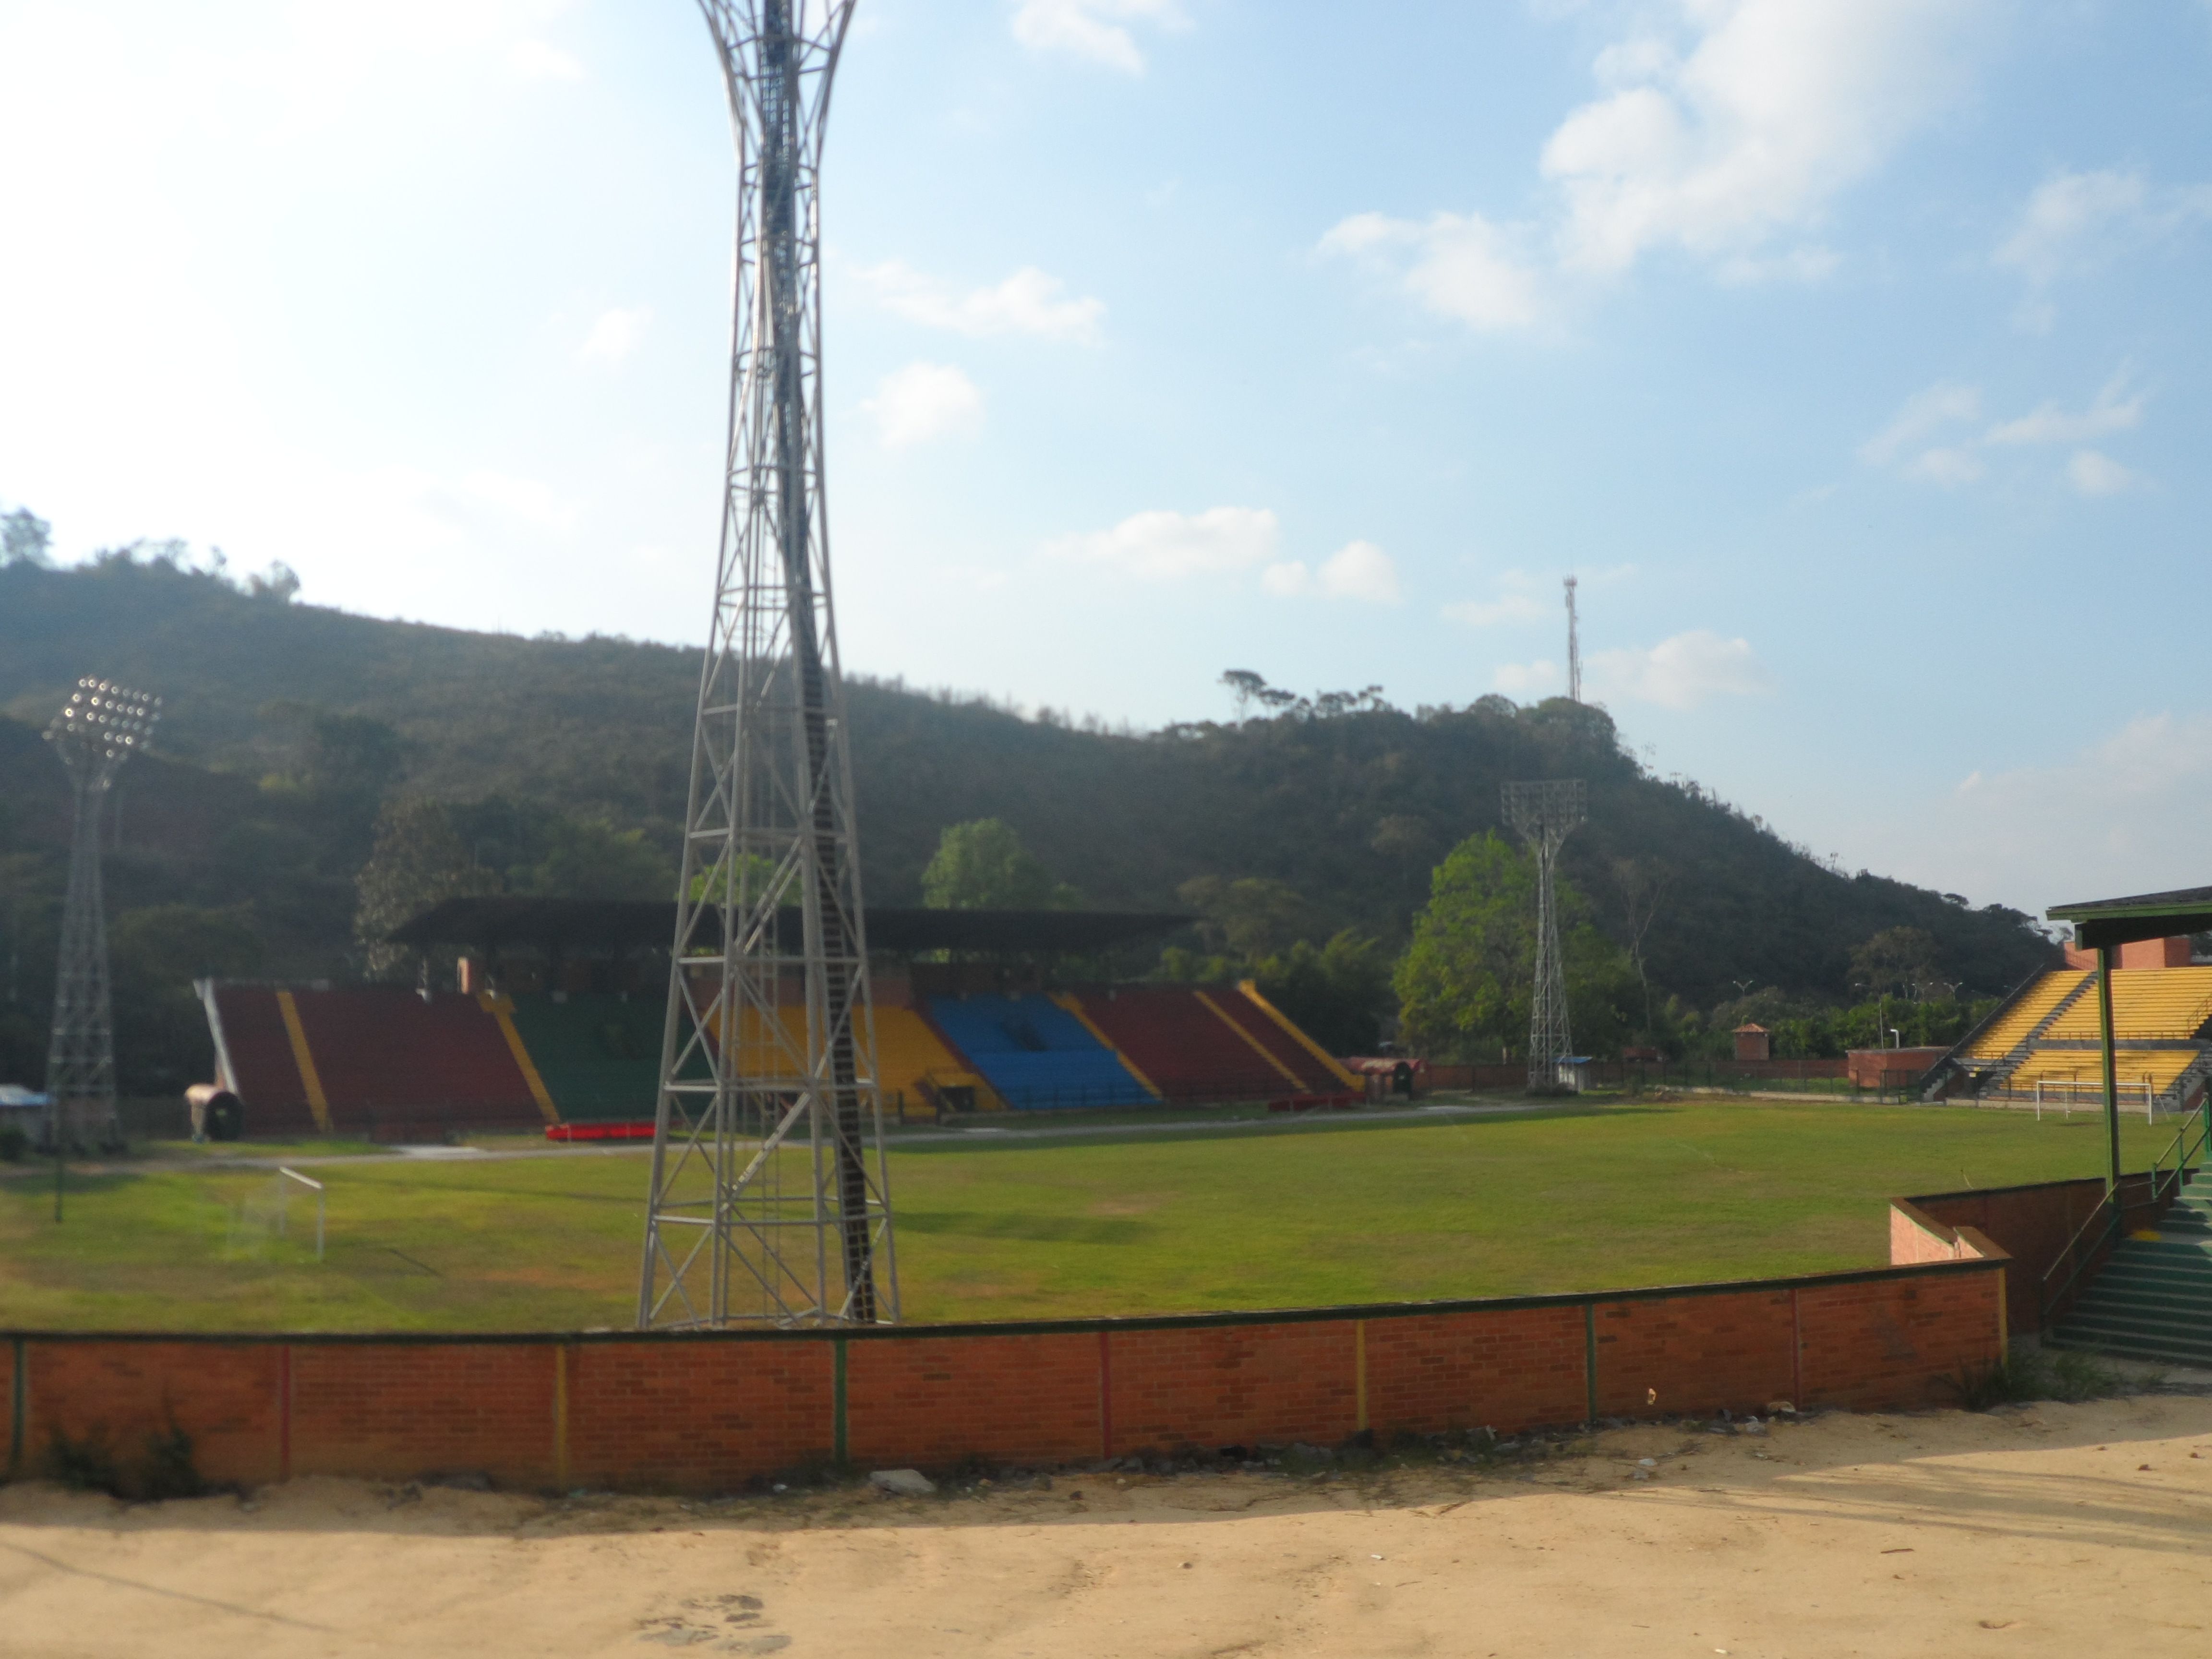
768 1200
1545 814
95 733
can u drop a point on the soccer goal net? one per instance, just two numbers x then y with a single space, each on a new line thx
286 1201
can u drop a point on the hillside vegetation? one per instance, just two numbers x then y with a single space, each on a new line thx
286 726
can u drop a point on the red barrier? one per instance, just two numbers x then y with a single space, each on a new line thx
598 1132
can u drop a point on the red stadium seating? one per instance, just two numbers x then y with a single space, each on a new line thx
1185 1049
390 1062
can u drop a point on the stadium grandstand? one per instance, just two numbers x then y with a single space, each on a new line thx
557 1020
2042 1043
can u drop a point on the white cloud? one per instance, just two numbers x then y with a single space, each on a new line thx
1168 546
1904 443
1923 414
1458 265
1357 570
1682 672
2111 412
1948 467
1506 608
525 500
535 60
1027 302
2096 474
1776 108
923 401
614 336
2122 815
1726 134
2076 223
1543 679
1093 29
1517 602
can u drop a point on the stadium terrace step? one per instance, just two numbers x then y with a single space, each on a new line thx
2153 1299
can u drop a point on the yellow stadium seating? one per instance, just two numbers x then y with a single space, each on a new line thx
907 1053
2147 1003
2010 1028
2083 1070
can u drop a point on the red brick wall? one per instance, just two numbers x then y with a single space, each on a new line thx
1233 1385
2030 1224
1696 1353
709 1412
223 1395
1883 1345
1511 1367
934 1400
694 1415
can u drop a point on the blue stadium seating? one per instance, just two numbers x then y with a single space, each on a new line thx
1034 1053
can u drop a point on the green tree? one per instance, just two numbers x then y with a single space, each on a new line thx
589 858
1250 918
24 537
162 1040
418 860
1464 984
983 866
1336 993
1898 960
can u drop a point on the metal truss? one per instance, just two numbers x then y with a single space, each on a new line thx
96 732
769 1201
1545 814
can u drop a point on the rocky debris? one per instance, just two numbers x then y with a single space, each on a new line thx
902 1483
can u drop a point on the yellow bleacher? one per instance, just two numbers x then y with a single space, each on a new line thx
2027 1011
2147 1003
2083 1069
906 1052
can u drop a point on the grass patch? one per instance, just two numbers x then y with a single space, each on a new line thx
1312 1212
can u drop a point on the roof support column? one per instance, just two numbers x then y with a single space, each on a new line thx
2112 1075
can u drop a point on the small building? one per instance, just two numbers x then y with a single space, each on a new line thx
1890 1068
2173 952
1753 1043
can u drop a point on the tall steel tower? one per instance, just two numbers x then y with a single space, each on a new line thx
1574 648
1545 814
94 734
768 1200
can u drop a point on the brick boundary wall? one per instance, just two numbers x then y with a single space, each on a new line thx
2030 1225
706 1411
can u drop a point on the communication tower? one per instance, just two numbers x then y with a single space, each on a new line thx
768 1200
1574 648
95 733
1545 814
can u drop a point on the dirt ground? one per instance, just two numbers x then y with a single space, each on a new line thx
2045 1529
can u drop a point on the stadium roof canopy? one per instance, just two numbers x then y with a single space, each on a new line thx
559 925
2103 922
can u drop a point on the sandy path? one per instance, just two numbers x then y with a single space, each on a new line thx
2036 1531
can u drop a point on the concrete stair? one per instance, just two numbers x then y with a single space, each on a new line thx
2153 1299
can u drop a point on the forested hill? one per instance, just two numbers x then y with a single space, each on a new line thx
258 794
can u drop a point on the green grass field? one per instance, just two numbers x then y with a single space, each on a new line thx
1621 1195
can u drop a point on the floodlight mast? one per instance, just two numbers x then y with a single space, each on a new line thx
1545 814
769 1201
101 726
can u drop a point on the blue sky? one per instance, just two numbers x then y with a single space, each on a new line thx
1852 352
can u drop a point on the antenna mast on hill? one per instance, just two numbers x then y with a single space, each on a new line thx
1545 814
95 733
1574 649
768 1201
